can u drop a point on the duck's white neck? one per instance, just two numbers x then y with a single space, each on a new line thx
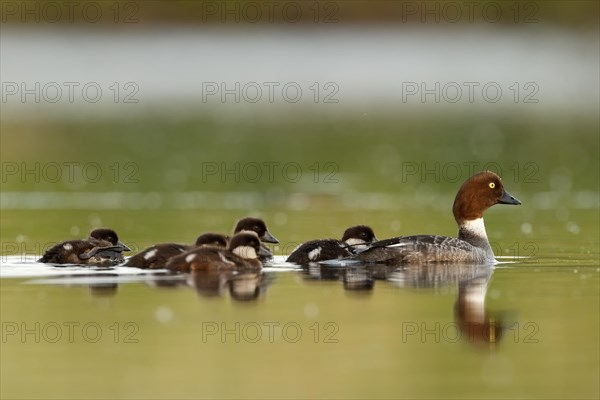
475 227
473 232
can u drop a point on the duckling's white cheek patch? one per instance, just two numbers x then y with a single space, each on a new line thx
68 246
355 242
150 254
246 252
190 258
314 253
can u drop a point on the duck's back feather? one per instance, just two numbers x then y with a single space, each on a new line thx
318 250
156 257
420 249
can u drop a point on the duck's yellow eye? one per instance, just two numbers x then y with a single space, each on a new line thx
492 185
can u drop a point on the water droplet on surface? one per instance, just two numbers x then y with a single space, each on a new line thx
311 310
526 228
163 314
573 228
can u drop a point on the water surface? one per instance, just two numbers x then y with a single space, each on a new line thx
527 327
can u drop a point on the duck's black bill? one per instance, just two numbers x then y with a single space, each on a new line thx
268 238
507 198
123 246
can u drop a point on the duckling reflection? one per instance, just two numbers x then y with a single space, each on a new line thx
381 271
475 323
318 271
166 280
109 287
326 271
104 289
358 279
354 278
241 286
246 286
209 283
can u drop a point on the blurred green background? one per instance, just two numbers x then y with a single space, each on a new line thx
354 166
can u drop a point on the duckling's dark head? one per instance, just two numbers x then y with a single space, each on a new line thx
255 225
359 233
105 234
211 239
108 235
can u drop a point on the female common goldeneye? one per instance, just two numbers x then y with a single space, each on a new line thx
156 257
241 254
354 239
258 226
477 194
102 248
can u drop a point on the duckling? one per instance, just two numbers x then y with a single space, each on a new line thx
102 248
354 238
257 225
156 256
242 253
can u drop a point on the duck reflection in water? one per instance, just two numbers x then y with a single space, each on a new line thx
474 323
477 325
436 275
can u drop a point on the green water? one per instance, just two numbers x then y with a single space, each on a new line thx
159 342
